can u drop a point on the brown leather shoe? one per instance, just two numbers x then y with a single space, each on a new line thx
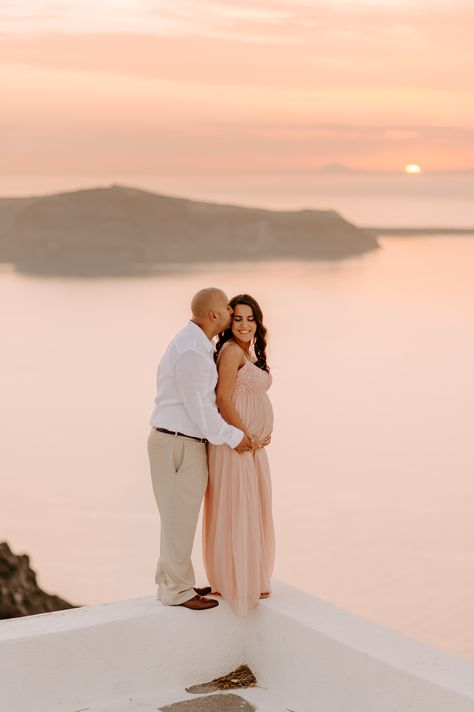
203 591
198 603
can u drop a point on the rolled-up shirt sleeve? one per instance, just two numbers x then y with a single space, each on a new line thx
192 376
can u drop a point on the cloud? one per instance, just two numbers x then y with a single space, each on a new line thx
318 42
269 21
280 84
203 60
107 123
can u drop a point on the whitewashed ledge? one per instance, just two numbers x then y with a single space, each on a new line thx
307 655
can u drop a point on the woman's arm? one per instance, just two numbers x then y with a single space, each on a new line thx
228 364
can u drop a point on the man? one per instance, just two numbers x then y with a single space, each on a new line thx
185 418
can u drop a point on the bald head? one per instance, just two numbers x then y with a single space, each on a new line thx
210 308
207 300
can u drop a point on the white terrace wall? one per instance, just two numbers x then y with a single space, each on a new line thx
70 660
313 656
321 658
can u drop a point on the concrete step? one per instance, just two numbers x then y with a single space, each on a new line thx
257 699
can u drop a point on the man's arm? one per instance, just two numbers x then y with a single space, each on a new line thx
192 379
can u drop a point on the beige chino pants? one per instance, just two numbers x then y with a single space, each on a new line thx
179 477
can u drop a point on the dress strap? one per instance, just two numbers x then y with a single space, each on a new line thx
231 341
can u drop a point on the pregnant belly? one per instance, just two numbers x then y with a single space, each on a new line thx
256 413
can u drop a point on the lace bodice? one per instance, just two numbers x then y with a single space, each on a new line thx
252 378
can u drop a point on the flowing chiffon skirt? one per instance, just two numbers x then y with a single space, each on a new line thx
238 532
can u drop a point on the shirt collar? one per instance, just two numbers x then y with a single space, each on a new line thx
207 343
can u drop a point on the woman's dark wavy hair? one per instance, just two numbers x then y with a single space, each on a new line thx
260 333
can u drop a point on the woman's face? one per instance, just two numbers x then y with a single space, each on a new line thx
244 325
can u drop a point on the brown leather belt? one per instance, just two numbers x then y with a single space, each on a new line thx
182 435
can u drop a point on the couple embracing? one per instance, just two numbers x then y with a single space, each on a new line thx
211 423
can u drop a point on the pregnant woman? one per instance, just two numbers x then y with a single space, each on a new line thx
238 534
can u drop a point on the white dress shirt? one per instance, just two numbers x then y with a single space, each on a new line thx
185 400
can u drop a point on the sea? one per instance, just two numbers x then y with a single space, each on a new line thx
372 456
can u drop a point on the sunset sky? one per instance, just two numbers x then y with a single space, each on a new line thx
215 88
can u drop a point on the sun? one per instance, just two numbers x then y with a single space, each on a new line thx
412 168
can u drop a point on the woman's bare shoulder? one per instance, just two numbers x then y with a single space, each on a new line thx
230 354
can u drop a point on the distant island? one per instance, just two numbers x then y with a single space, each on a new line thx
121 231
420 231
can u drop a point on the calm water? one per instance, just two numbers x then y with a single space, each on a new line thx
372 456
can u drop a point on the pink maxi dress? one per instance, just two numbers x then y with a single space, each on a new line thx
238 533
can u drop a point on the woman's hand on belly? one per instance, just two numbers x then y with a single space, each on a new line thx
259 443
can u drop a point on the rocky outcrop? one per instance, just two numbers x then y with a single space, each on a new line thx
121 230
20 594
240 677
